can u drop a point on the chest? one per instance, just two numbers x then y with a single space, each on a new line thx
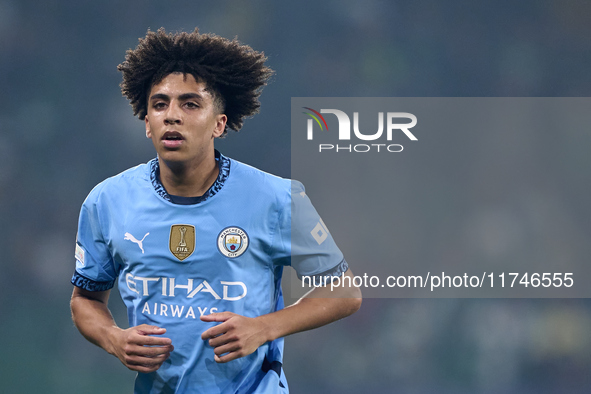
214 240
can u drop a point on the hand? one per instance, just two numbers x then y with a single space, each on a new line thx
139 351
236 337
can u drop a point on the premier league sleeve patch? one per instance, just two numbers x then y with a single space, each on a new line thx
79 254
232 242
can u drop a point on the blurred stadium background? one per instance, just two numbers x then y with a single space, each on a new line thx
64 127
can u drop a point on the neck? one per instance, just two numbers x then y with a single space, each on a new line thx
188 180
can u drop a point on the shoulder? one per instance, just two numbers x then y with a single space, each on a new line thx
118 184
263 181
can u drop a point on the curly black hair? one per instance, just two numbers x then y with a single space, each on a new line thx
234 73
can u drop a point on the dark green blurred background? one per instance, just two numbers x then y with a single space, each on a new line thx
64 127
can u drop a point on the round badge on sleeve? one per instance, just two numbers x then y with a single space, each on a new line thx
232 242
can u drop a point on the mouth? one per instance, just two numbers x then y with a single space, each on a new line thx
172 139
172 136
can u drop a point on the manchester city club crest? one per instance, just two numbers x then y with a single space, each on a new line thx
232 242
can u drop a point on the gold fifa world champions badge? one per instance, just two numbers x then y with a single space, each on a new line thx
182 240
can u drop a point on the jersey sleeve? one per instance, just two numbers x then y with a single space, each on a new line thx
95 269
303 240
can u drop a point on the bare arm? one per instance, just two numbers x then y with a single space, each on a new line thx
238 336
135 347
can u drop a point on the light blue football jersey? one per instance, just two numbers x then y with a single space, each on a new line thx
225 251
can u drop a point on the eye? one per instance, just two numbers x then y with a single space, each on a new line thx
159 105
191 105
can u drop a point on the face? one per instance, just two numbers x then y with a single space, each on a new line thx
182 119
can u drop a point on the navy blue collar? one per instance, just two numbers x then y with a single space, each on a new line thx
223 165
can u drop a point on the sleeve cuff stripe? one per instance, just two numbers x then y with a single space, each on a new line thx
338 270
85 283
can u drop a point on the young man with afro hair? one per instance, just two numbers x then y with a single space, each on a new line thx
198 241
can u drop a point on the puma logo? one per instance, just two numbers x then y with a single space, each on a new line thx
129 237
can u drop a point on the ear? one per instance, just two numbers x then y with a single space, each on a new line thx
148 131
220 125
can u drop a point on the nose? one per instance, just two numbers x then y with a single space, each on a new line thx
173 115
